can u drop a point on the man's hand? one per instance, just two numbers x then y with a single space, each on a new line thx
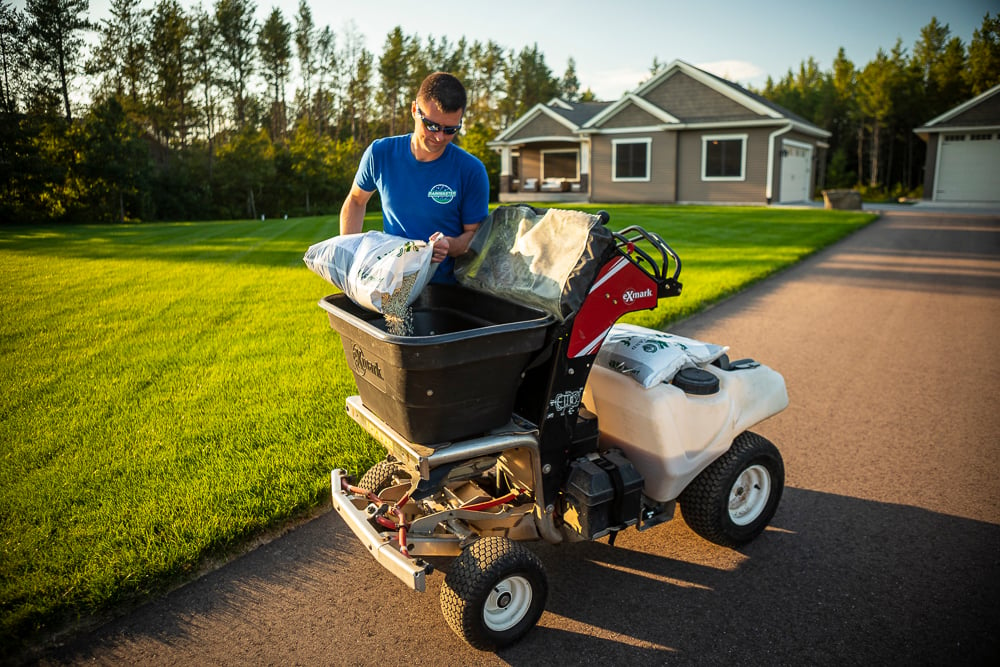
441 245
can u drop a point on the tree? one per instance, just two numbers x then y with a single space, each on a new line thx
848 124
115 161
529 81
305 48
120 57
173 62
357 63
324 102
274 45
55 37
486 74
307 149
13 60
203 68
983 70
236 28
940 60
245 164
569 85
394 73
323 168
875 103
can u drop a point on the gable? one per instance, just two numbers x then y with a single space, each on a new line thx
542 125
986 112
631 116
691 101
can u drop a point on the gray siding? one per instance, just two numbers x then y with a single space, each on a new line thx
631 116
663 170
542 126
691 187
985 113
930 165
691 101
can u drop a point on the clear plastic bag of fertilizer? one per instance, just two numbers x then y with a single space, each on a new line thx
378 271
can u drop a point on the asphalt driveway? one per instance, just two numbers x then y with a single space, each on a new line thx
885 549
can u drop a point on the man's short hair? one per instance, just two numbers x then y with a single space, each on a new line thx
445 89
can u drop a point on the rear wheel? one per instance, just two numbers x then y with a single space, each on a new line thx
494 593
732 500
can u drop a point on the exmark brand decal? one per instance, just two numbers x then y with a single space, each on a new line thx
620 288
442 194
631 295
363 366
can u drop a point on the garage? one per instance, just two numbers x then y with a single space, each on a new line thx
796 171
969 167
963 151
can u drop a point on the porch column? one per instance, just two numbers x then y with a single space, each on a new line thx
505 169
585 165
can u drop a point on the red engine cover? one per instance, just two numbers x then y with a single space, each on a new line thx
621 287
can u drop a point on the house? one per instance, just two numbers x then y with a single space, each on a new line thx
683 136
963 151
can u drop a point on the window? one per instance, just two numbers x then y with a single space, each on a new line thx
723 157
515 166
630 159
561 164
982 137
954 137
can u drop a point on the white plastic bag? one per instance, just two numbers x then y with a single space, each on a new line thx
332 259
651 357
376 270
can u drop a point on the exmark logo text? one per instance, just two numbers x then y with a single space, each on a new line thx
364 366
442 194
631 295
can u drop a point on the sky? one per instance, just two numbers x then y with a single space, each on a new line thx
614 43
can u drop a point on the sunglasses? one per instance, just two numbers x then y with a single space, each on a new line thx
437 127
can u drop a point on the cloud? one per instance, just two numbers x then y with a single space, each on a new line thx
737 71
610 84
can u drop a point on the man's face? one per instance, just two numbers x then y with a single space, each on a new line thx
429 112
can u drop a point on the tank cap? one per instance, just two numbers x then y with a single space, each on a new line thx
696 381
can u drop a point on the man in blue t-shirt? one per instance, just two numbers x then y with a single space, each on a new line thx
427 185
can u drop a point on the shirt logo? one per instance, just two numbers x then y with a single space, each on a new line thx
442 194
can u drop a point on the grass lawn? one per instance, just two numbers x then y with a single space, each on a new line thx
171 390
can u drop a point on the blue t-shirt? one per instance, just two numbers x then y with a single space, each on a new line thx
420 198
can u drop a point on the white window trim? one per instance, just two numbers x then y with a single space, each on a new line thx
575 151
614 160
724 137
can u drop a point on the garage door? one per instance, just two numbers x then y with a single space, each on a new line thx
796 167
969 167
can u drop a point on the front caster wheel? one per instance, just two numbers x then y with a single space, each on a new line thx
494 593
733 499
382 475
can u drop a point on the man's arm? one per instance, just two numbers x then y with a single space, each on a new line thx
454 246
352 213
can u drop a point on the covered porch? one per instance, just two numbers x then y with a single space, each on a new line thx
552 170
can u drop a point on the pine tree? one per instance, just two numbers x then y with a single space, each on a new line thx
274 46
983 70
55 34
237 54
